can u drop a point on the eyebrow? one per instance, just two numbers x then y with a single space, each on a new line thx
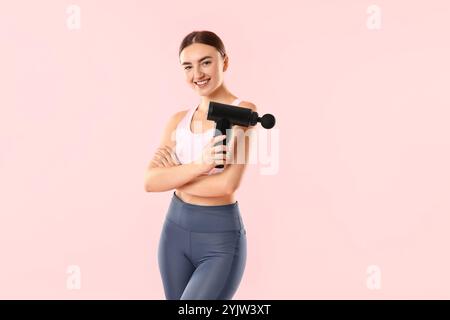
198 60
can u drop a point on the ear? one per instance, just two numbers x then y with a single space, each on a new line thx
225 63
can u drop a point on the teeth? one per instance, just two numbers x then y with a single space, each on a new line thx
202 82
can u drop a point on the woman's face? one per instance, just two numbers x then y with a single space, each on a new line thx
203 62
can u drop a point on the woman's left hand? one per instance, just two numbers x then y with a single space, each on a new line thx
165 158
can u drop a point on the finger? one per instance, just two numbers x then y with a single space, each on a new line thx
219 157
219 161
163 160
219 148
157 163
157 156
216 139
173 155
168 156
163 153
168 149
220 138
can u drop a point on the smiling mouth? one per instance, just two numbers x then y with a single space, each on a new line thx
202 83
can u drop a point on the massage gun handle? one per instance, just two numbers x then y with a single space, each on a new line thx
221 128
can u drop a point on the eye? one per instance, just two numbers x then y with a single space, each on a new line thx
204 62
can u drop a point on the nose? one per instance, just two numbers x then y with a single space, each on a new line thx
197 73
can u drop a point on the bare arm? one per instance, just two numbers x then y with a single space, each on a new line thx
158 179
166 173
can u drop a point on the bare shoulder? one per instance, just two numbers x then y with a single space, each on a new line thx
168 137
248 104
176 117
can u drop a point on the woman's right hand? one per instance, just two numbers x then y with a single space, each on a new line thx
212 154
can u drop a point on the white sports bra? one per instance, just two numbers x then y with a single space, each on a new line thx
189 145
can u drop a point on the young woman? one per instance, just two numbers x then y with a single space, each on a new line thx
203 246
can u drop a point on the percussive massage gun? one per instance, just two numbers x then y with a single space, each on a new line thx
226 116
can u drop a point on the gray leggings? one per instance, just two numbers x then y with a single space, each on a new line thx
202 251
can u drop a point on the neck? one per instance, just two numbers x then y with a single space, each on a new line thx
221 95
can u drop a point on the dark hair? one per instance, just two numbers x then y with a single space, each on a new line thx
205 37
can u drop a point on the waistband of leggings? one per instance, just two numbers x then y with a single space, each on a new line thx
203 218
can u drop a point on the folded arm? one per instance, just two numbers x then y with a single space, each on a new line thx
227 181
158 179
164 171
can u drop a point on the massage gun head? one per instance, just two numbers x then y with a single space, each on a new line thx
267 121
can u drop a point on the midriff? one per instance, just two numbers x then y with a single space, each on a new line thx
205 201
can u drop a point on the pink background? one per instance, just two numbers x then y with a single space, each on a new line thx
362 114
